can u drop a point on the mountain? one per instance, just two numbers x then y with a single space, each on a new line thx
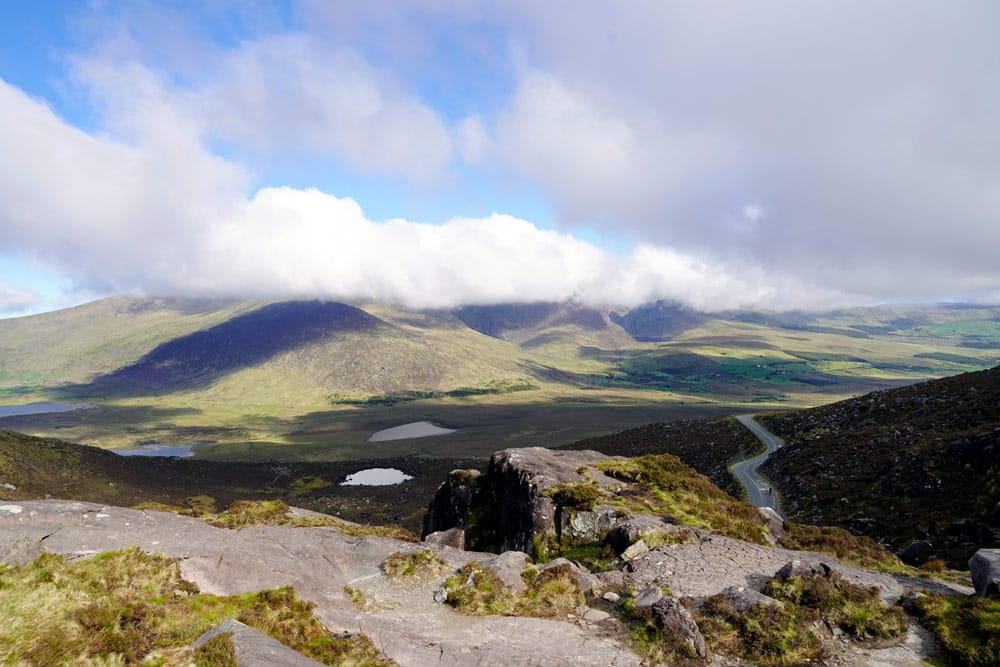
314 379
920 462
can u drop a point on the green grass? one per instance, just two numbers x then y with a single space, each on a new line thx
847 547
243 513
967 627
423 564
787 634
133 607
668 487
477 591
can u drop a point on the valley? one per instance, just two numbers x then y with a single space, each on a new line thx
602 445
312 381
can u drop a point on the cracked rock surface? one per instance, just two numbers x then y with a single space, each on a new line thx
405 621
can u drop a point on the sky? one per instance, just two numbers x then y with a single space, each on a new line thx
764 154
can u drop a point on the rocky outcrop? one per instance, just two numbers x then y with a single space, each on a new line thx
455 502
507 508
985 568
674 620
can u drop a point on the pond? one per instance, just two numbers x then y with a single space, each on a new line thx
376 477
411 430
160 449
37 409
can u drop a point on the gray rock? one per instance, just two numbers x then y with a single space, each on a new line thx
799 568
454 502
254 649
648 596
917 553
518 479
675 620
775 524
508 567
985 568
628 529
19 549
596 615
636 548
745 599
404 622
611 597
453 537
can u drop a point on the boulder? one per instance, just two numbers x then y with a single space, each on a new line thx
508 566
456 538
775 524
637 547
985 568
917 553
518 479
674 620
799 568
628 529
648 596
254 649
744 599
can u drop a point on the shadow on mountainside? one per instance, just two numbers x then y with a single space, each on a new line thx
198 359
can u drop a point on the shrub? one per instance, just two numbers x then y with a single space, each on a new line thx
477 590
967 627
578 495
422 564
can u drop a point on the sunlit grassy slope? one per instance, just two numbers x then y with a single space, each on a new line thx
317 378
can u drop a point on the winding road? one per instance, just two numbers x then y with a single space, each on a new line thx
759 490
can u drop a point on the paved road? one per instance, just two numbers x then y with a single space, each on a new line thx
759 490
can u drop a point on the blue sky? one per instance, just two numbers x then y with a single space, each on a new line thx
720 154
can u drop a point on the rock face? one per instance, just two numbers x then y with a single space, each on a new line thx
675 620
508 505
454 501
985 568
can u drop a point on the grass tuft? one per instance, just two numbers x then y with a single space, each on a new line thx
423 564
127 607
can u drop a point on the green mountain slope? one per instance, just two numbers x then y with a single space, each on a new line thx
918 462
324 375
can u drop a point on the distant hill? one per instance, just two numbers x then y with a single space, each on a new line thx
41 467
244 341
917 462
325 375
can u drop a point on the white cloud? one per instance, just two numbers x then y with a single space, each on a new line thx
14 299
869 133
784 154
166 216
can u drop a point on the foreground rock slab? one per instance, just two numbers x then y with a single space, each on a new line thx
406 624
255 649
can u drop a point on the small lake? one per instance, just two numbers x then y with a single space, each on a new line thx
376 477
37 409
159 449
412 430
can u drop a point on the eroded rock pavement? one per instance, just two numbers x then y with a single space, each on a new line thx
405 619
